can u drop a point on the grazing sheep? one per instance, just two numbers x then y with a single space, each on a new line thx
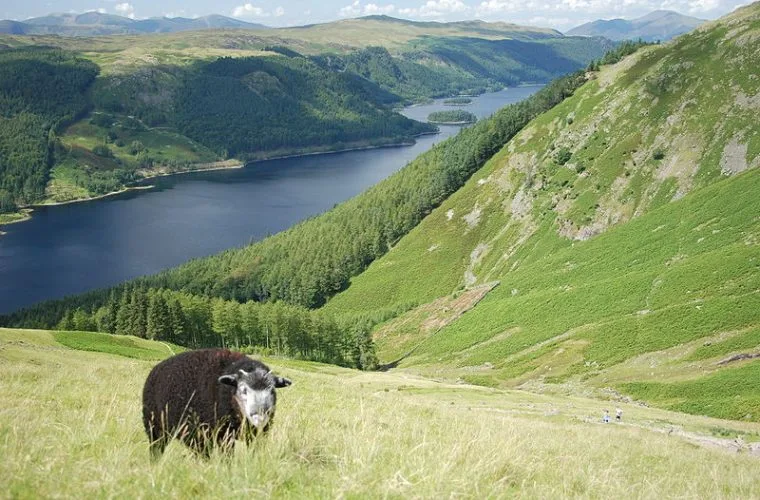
208 397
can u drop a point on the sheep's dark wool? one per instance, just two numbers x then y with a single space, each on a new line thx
208 398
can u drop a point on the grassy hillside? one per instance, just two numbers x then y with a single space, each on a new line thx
640 134
340 432
619 226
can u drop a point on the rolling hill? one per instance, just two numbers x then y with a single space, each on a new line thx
658 25
95 24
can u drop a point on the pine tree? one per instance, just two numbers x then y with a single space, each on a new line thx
82 321
124 314
67 322
178 322
109 318
363 349
158 323
140 312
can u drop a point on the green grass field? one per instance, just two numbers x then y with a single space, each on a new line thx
70 425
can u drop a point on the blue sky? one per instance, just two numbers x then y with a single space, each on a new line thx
559 14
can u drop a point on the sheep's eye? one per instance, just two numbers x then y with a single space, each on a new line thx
243 391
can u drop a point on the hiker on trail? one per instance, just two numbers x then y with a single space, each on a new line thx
618 414
606 417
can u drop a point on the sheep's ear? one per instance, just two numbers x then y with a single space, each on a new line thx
228 380
281 382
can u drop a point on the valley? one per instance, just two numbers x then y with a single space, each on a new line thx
141 105
605 234
194 215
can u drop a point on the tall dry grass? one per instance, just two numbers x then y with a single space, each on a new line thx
70 427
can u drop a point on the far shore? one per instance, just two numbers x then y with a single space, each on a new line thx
468 122
24 214
220 165
344 150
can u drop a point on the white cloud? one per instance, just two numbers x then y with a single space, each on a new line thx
437 9
357 9
352 10
174 14
372 9
703 5
126 9
250 10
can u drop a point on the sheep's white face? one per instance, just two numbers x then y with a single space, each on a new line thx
256 404
255 394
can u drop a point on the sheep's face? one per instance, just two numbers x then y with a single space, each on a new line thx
255 394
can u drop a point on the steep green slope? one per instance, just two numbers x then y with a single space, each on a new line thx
641 133
619 230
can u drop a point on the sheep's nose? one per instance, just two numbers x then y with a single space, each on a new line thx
257 420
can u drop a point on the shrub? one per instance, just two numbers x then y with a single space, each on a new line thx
102 150
563 156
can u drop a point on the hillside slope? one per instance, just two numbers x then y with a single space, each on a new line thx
651 147
376 435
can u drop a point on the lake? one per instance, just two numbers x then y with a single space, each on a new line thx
69 249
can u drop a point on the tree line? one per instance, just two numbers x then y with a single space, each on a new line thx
272 328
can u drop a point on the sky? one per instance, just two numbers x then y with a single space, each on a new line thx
558 14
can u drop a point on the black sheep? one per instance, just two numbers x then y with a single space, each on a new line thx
208 397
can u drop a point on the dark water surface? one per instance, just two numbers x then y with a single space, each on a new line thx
69 249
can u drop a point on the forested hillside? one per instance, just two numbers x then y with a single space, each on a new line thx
41 90
437 67
284 103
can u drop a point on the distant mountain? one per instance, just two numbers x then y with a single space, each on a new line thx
657 25
474 25
95 23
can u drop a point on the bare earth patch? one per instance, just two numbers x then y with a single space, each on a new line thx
734 159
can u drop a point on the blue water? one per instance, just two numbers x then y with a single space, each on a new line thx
70 249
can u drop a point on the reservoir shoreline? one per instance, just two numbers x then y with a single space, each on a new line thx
234 164
72 248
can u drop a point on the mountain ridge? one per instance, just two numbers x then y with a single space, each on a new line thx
659 25
96 23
